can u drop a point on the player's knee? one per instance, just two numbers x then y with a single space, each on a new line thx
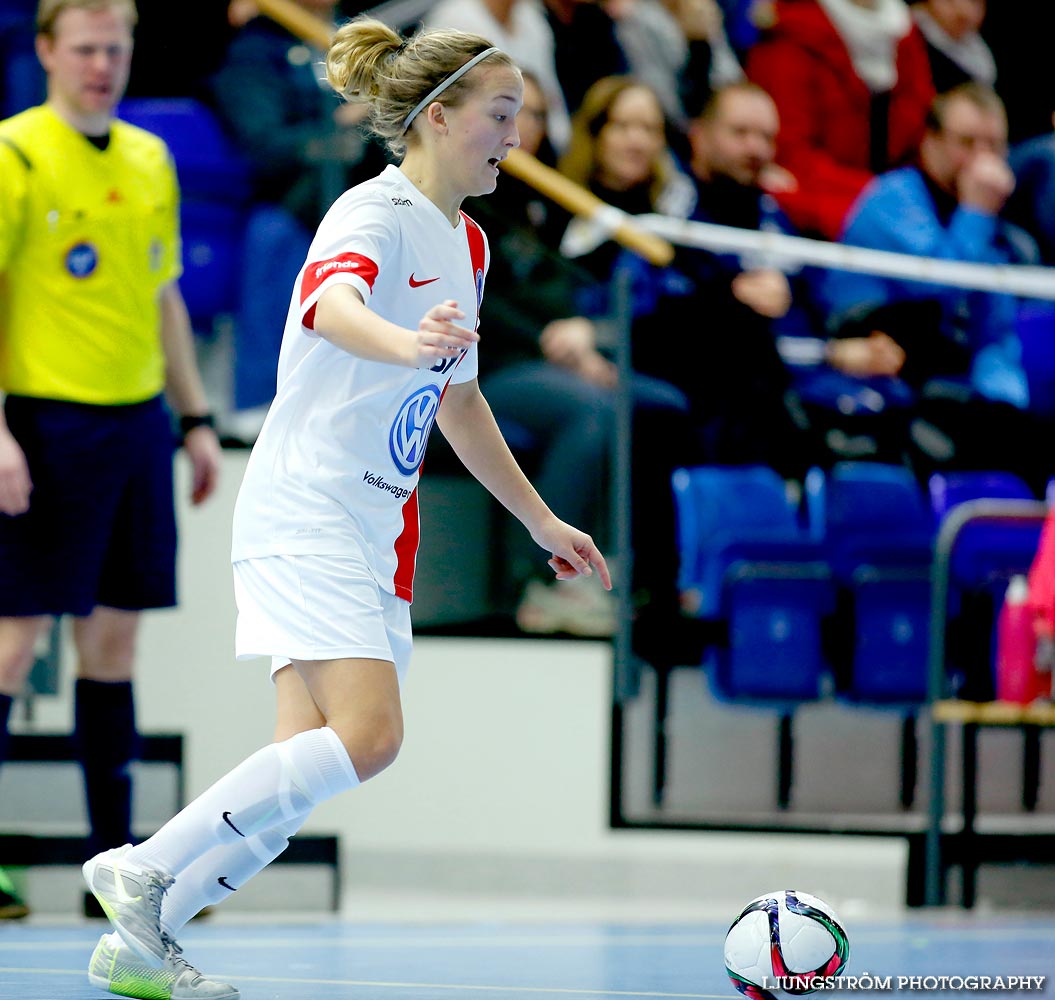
375 745
390 743
386 743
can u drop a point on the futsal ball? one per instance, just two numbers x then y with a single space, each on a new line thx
784 942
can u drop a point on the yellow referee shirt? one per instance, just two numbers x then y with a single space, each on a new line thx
88 237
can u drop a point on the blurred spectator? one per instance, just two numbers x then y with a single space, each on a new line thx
521 28
677 47
1032 204
852 84
619 151
166 33
550 388
727 310
960 347
744 21
957 52
21 78
272 94
305 148
1021 47
585 46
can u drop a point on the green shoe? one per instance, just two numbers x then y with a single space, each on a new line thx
115 967
12 906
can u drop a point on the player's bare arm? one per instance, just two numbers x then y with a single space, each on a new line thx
342 318
466 421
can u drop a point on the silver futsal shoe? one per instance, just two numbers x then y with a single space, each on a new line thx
131 897
115 967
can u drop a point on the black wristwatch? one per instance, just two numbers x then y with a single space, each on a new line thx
187 424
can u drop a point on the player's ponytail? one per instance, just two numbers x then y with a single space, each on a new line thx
370 62
357 56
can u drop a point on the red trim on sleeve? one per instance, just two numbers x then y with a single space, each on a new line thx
406 548
478 255
316 273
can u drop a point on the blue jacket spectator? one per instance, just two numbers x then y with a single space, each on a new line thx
948 208
728 309
904 211
1032 205
305 147
289 123
959 350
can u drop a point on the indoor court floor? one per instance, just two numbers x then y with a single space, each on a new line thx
319 960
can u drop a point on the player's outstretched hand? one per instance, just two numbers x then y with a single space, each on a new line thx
573 552
439 337
15 481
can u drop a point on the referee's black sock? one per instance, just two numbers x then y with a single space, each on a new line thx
107 743
6 701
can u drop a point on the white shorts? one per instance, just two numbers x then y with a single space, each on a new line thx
315 607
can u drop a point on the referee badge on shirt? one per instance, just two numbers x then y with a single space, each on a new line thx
156 254
82 259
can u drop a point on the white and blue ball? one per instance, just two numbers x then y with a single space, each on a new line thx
782 942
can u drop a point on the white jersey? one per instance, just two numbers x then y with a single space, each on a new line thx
337 461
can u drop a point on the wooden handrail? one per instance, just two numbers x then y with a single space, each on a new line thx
298 21
994 713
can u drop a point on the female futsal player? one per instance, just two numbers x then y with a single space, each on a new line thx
381 327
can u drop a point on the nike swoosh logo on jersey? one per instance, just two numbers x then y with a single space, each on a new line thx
223 881
414 283
227 820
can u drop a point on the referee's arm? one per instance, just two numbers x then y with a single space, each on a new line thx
186 392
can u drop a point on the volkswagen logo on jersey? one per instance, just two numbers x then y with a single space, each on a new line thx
410 430
82 259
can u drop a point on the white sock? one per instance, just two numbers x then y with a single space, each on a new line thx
273 786
216 875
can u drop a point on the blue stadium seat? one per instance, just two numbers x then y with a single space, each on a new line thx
213 245
751 565
215 190
983 559
1036 332
877 530
775 608
985 553
947 489
207 162
718 507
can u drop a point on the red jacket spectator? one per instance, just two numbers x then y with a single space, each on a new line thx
826 112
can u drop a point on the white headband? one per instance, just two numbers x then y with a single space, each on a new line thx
436 91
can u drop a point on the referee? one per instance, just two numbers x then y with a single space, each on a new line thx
93 335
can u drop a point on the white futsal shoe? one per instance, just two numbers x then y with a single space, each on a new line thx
131 897
115 967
